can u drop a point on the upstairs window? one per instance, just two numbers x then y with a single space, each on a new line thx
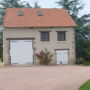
44 36
61 36
20 13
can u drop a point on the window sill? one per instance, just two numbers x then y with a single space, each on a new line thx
45 41
62 41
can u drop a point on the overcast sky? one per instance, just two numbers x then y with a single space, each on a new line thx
52 4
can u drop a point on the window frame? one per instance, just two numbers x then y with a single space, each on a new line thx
58 37
45 38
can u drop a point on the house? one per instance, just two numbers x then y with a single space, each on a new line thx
29 31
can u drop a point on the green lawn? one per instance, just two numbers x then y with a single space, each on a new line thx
85 86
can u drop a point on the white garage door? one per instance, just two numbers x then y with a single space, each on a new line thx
21 52
62 56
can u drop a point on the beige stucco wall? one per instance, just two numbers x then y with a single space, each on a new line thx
50 46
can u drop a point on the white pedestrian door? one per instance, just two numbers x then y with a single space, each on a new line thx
62 56
21 52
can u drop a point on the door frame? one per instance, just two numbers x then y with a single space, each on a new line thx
9 57
61 49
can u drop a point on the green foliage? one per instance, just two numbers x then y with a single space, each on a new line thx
1 40
74 7
44 57
84 48
36 5
13 4
87 63
84 51
80 60
85 86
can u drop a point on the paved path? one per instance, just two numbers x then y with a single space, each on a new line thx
43 78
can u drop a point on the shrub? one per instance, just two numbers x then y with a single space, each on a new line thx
44 57
80 60
87 58
86 63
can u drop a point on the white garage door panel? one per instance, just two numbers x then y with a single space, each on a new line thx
62 56
21 51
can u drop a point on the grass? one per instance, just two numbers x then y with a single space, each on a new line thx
86 63
85 86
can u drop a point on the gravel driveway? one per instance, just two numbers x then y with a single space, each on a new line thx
43 78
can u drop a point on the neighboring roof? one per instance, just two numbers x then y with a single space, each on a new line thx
50 18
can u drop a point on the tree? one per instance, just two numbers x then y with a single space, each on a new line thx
74 7
1 44
36 5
